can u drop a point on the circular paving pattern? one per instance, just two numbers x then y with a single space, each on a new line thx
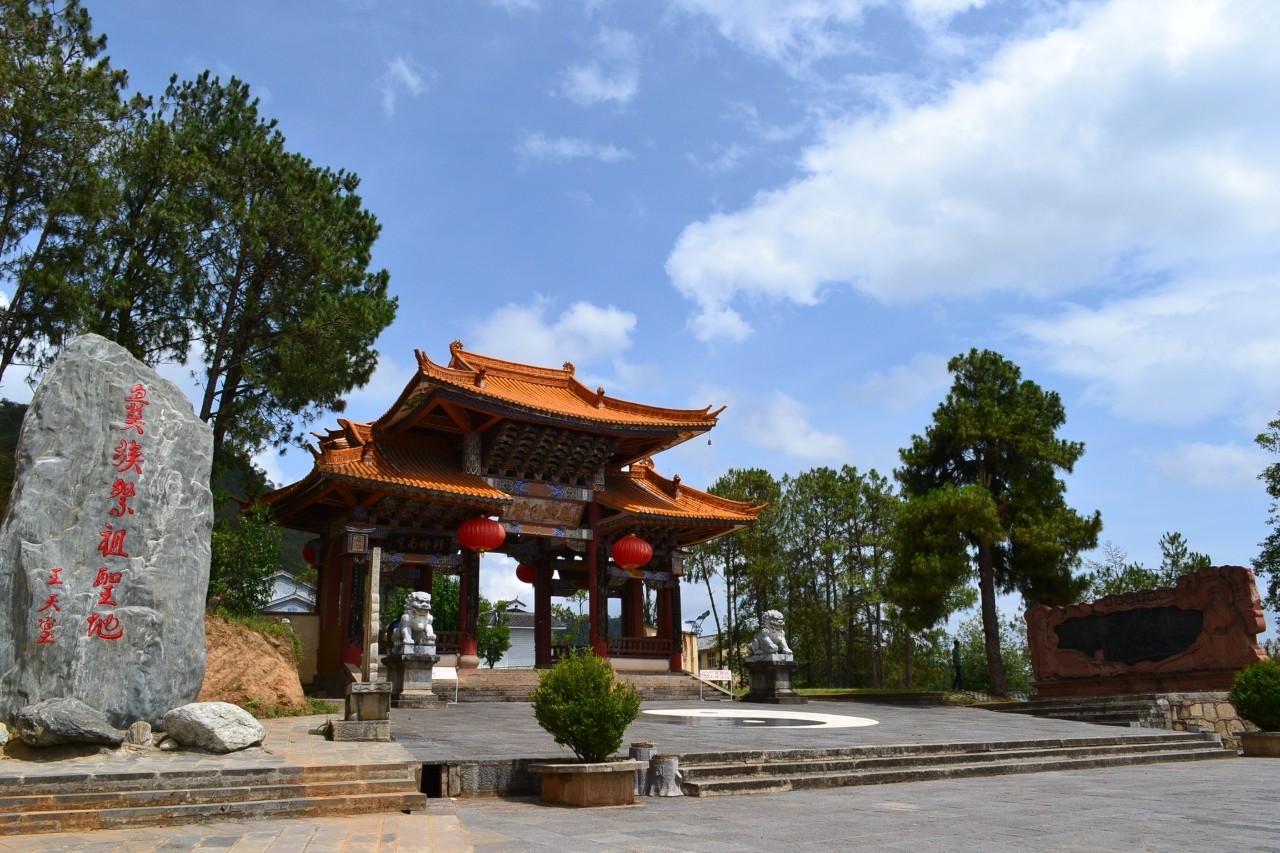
756 718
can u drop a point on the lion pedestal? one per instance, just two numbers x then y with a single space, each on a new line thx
411 680
769 662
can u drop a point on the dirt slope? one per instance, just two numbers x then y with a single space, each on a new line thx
246 667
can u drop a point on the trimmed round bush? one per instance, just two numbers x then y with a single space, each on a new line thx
583 707
1256 694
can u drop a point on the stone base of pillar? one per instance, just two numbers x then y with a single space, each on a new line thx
410 676
771 682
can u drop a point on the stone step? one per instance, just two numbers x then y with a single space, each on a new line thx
515 685
31 802
928 767
206 778
832 765
106 800
80 820
1116 711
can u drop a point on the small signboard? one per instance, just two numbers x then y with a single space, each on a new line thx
706 675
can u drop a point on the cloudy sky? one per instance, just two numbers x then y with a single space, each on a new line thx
803 209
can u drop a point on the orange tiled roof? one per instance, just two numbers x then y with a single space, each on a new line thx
399 463
546 390
644 492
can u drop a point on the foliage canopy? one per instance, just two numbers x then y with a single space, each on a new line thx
581 704
983 480
1256 694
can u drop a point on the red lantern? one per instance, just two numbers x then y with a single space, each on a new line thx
524 573
309 553
631 552
481 534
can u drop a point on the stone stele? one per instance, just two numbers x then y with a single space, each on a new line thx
104 550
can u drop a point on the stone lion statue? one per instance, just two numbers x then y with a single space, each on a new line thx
416 632
769 640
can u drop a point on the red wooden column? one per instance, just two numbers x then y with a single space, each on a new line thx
677 629
633 609
468 601
426 575
599 644
663 605
542 612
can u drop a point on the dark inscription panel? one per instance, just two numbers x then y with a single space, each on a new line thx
1133 636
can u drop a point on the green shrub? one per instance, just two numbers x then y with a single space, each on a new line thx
583 707
1256 694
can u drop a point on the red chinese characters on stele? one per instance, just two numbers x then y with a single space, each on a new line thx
46 621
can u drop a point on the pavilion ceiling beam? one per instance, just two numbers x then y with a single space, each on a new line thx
373 498
458 416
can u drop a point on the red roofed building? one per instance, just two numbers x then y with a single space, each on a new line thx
567 471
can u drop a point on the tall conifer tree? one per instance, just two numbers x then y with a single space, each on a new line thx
983 482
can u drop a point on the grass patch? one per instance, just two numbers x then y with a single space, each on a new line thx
858 691
313 707
270 627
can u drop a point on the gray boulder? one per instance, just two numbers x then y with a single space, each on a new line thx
104 550
66 720
214 727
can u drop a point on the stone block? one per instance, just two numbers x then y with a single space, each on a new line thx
66 720
609 783
357 730
368 701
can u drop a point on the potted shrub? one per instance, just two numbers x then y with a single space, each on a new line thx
1256 697
584 707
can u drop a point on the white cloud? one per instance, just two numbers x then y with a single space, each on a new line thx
902 386
402 76
1127 137
498 581
726 158
559 149
612 75
517 7
1180 354
1214 467
583 334
383 388
791 32
781 424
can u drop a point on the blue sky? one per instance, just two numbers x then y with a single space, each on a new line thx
804 209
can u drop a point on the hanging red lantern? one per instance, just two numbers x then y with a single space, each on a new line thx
631 552
481 534
524 573
309 552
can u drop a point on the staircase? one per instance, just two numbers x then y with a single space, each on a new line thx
1139 708
111 800
515 685
717 774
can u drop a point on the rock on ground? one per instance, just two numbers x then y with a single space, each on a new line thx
66 720
104 548
247 667
214 727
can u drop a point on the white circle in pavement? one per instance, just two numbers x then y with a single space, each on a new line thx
763 716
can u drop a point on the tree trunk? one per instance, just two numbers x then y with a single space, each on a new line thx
990 620
908 647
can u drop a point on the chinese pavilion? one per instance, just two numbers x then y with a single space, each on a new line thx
486 454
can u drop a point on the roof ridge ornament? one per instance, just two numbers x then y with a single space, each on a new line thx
568 367
600 397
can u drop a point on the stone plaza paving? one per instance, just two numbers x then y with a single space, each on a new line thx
1224 805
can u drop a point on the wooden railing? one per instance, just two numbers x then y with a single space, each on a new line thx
447 642
639 647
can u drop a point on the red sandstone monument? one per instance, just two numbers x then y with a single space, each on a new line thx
1193 636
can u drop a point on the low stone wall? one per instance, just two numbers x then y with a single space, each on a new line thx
1207 711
